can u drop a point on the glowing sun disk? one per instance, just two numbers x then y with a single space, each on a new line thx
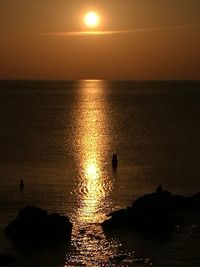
92 19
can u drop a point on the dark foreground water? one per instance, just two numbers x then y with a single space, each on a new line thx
59 138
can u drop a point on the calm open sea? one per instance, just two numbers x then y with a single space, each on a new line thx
59 138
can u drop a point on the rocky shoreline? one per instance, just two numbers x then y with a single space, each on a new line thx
35 227
158 212
152 214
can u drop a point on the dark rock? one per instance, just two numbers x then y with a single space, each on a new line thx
82 231
6 259
152 213
33 226
193 202
117 258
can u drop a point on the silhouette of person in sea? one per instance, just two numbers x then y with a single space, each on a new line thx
159 189
114 161
21 185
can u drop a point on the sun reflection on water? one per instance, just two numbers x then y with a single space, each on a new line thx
94 183
94 186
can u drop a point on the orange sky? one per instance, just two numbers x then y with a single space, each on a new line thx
155 40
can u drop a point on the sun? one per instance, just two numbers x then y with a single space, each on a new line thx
92 19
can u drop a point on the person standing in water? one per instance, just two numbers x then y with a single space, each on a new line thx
21 185
114 161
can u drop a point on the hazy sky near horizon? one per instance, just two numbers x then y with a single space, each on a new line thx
146 39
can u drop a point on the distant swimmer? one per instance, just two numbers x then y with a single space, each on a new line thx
114 160
21 185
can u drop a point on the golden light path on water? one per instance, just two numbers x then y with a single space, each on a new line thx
94 185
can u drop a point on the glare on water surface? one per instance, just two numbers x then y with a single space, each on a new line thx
94 185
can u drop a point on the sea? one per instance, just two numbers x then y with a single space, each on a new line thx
59 138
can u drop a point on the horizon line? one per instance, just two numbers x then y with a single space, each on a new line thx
101 32
93 79
110 32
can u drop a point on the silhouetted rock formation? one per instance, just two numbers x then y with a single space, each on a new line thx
6 259
156 212
117 258
34 227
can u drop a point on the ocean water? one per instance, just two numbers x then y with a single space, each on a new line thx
59 138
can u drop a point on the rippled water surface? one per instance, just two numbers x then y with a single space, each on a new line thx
59 138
